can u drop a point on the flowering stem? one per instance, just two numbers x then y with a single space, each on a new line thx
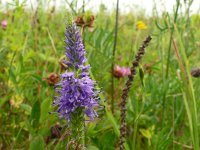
76 95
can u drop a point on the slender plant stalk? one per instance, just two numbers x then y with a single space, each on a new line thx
113 55
183 145
71 7
125 92
168 58
36 30
135 126
170 41
83 7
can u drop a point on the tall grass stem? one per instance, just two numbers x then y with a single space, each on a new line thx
113 56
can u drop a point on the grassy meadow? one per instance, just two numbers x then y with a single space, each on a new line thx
163 102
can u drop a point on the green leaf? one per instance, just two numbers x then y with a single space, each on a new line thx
46 58
36 77
146 133
37 143
161 28
35 114
12 76
45 108
113 122
90 147
141 73
26 107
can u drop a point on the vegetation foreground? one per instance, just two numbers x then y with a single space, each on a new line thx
132 98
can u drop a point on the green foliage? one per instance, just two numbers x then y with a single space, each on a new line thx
37 143
35 114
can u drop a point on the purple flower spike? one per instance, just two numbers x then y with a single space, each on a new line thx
75 51
76 89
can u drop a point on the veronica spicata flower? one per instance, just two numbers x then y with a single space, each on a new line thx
76 90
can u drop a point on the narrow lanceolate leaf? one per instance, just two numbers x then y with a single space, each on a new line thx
35 114
45 108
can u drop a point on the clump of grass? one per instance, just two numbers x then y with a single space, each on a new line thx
32 44
187 89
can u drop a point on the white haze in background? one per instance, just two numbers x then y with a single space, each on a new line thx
125 5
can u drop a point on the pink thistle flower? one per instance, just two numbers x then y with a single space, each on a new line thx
4 24
121 71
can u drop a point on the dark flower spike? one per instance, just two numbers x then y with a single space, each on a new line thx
125 92
76 90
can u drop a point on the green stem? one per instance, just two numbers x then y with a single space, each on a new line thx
168 59
78 128
170 41
113 55
135 126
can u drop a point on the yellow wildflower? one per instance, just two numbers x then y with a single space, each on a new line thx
141 25
16 101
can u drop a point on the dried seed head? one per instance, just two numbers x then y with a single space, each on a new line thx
195 72
124 96
52 78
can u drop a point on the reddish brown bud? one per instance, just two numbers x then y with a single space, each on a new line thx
52 78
